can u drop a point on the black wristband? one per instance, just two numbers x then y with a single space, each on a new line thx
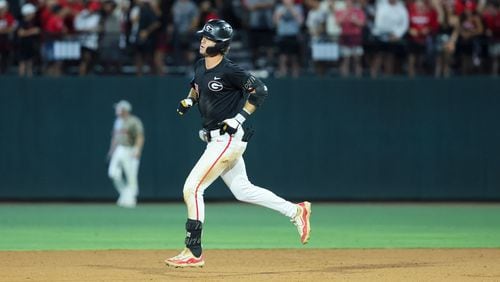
242 116
244 113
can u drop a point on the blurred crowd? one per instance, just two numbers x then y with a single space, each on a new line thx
284 37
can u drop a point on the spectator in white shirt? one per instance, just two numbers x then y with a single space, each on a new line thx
316 26
87 23
288 17
391 24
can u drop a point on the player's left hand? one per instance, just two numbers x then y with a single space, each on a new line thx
229 126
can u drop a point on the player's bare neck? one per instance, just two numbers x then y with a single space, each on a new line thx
212 62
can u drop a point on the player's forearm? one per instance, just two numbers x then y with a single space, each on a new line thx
139 142
249 108
193 94
186 104
257 96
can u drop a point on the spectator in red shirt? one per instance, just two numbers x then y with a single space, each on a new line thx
73 8
423 26
45 11
207 12
74 5
459 6
54 29
7 26
351 20
491 17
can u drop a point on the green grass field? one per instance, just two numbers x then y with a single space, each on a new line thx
237 226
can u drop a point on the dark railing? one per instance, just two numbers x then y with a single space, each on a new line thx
113 50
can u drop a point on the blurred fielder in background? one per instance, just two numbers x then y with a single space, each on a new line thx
226 95
125 152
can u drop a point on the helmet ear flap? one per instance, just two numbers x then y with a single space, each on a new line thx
224 47
218 48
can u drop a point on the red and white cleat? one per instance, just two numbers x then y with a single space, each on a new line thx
301 221
185 259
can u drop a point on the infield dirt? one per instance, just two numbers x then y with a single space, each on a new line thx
256 265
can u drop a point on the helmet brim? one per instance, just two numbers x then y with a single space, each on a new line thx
204 33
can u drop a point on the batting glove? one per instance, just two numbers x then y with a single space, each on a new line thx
185 105
231 125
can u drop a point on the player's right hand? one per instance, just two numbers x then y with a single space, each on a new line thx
229 126
185 105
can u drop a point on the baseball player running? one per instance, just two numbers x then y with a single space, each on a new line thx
226 96
125 151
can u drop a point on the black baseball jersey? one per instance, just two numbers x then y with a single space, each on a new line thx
223 91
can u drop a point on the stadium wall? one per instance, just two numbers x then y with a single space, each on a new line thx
332 139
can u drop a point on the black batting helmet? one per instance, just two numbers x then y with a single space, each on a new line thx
219 31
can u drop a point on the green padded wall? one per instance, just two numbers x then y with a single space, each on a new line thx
340 139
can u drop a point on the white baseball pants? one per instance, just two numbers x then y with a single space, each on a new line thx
223 157
123 161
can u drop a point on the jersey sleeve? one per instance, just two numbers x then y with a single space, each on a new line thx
138 127
240 78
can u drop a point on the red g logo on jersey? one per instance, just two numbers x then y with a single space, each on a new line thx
215 86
